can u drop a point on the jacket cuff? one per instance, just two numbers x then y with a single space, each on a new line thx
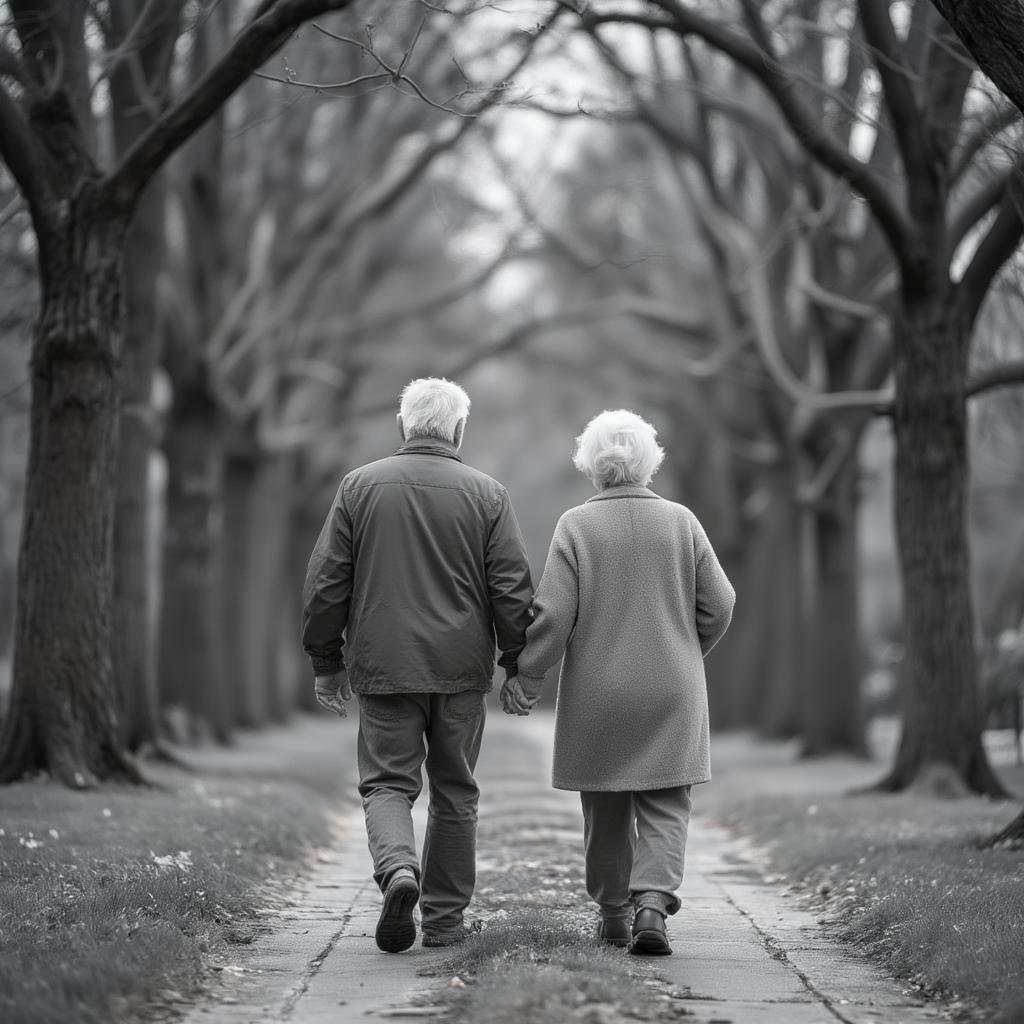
510 671
327 666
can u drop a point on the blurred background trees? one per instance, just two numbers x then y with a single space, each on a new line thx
786 235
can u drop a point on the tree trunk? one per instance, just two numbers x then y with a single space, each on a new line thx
246 646
138 90
257 510
134 649
64 701
762 654
831 705
192 663
781 659
304 528
940 748
278 600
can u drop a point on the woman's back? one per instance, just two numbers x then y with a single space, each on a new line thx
633 594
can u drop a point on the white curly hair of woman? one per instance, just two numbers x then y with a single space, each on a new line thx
618 447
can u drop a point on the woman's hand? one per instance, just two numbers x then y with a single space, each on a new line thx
514 700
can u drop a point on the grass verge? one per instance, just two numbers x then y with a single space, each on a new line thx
902 878
113 902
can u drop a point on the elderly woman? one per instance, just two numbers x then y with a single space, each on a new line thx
633 596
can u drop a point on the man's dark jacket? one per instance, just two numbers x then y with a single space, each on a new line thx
418 567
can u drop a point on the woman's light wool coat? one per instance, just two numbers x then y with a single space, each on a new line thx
634 596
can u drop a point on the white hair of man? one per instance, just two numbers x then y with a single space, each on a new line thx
433 407
618 447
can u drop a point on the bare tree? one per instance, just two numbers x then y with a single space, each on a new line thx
63 715
931 323
140 38
273 324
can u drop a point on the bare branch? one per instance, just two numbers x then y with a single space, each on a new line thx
996 120
260 246
995 377
153 13
894 73
776 80
264 35
975 207
341 327
998 245
660 314
763 320
27 162
377 76
393 75
838 303
813 491
947 75
318 370
12 67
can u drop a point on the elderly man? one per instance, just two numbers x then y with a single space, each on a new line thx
419 566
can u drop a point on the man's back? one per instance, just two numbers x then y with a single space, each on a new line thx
422 557
419 564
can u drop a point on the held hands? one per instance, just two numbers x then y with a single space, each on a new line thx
332 691
514 700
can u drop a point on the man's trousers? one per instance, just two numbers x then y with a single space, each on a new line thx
398 735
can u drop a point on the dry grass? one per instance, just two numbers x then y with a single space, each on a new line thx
902 877
110 900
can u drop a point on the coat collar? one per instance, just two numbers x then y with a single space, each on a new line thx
624 491
429 446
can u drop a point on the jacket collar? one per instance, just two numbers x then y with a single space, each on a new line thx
624 491
429 446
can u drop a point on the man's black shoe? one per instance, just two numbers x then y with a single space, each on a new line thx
396 929
649 935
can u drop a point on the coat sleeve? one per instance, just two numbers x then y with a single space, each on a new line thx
555 606
715 594
327 592
509 585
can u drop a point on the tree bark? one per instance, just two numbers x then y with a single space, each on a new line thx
304 528
63 715
192 663
134 645
257 515
138 89
832 718
993 32
780 661
940 748
762 658
247 643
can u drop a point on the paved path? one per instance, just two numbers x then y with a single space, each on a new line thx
744 952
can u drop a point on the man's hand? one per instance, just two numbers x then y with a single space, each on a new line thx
514 700
332 692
